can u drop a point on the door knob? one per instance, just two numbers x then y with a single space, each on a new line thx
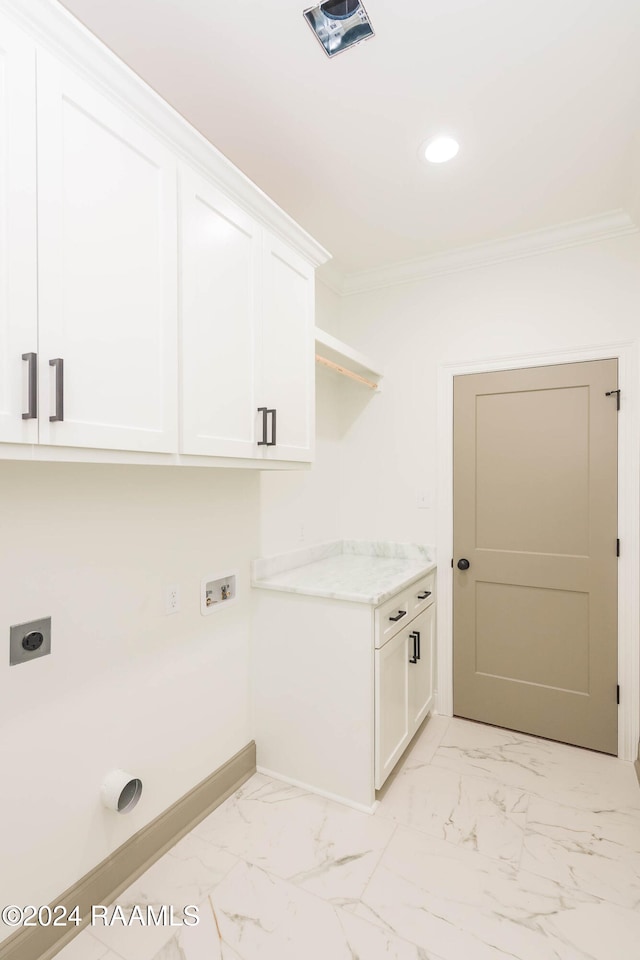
463 564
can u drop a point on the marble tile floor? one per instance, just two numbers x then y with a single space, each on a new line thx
486 845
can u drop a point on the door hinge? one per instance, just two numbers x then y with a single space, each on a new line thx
616 394
618 694
618 547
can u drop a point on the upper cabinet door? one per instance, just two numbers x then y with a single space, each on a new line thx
219 299
287 352
18 244
107 228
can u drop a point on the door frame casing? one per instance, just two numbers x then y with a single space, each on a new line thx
627 353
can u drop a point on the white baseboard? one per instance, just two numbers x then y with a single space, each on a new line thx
363 808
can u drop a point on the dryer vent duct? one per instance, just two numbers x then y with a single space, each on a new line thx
339 24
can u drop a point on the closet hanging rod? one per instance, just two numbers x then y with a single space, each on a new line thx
346 373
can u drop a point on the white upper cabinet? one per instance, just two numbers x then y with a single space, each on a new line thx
247 333
287 350
107 245
18 251
99 316
219 309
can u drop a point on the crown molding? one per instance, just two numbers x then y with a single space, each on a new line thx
332 277
56 30
615 223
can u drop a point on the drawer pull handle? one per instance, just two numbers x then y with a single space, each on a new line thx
401 614
423 596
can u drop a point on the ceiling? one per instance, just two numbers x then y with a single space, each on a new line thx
544 98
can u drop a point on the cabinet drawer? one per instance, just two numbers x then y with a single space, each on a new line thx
421 594
391 616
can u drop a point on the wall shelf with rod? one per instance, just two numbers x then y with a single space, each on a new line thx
343 359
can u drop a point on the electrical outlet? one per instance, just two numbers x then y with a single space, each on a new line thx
172 599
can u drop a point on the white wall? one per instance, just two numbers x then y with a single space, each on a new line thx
93 545
578 297
634 193
165 697
299 507
566 299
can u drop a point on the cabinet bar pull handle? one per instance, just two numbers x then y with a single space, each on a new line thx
416 643
58 363
272 442
423 596
264 412
414 658
401 614
32 412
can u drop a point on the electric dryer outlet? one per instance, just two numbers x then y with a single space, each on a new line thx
28 641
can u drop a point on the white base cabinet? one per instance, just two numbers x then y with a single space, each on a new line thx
334 706
404 689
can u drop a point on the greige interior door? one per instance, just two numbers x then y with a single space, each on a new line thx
535 515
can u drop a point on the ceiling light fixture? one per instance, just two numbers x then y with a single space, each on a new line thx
339 24
440 149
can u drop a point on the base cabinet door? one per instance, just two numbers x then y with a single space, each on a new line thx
18 250
392 732
107 261
421 672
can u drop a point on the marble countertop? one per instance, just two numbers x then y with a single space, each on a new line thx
358 570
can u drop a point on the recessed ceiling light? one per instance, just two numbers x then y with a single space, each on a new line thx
440 149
